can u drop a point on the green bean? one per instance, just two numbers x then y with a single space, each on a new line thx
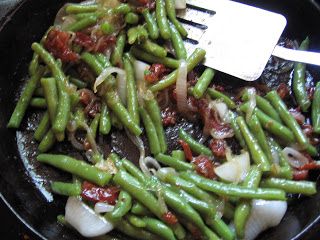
162 20
153 48
104 61
42 128
81 24
289 186
264 105
133 170
271 125
256 152
140 210
76 167
136 221
242 211
174 163
24 100
38 102
105 121
203 83
195 58
137 34
215 94
150 129
177 43
67 189
137 191
63 108
131 18
93 62
94 125
116 56
78 83
236 129
232 190
171 12
132 99
315 111
299 82
194 145
123 205
159 228
140 54
77 8
153 109
285 170
178 154
122 9
255 126
114 103
34 64
134 232
221 228
61 219
47 142
106 28
115 121
287 118
152 27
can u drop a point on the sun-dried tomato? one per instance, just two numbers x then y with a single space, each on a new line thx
192 78
169 218
155 72
218 147
169 116
93 108
307 129
187 150
104 42
219 88
283 90
85 97
57 43
95 193
300 174
83 40
298 116
204 166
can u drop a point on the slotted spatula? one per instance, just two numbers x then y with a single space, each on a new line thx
239 39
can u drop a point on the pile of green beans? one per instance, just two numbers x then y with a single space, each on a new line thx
177 200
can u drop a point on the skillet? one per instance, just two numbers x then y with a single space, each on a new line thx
24 182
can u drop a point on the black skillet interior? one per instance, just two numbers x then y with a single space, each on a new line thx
22 179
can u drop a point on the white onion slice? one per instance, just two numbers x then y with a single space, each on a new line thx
236 169
264 214
139 69
101 207
222 109
121 81
251 102
181 87
85 220
295 158
151 163
216 134
180 4
163 172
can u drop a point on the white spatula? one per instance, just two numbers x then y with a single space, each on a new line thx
239 39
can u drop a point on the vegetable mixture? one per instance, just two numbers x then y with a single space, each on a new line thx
109 64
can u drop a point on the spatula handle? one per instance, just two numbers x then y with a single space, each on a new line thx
297 55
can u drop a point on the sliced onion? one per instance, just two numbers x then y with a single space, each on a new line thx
216 134
151 163
121 81
90 137
85 220
295 158
251 102
264 214
275 158
162 173
180 4
75 143
139 69
221 109
107 165
234 170
102 207
181 87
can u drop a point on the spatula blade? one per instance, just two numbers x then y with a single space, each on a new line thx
239 39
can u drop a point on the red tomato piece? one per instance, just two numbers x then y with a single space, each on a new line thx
83 40
300 174
204 166
95 193
170 218
187 150
169 117
57 43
